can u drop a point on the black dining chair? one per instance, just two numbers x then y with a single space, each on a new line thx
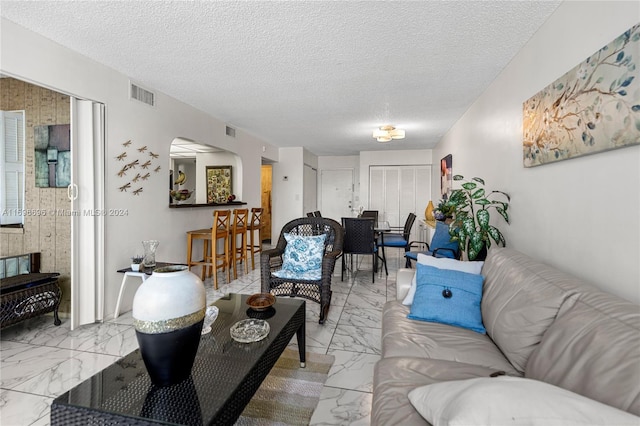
373 214
359 239
370 213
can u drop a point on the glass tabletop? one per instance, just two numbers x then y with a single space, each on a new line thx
381 226
149 270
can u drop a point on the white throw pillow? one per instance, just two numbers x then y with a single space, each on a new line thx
508 400
441 263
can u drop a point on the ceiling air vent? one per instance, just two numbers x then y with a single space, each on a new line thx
143 95
231 132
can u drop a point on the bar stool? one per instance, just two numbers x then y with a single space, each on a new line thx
216 260
220 231
239 230
198 234
255 225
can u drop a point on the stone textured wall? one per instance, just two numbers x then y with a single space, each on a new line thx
49 234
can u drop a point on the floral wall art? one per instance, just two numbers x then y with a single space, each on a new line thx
219 184
446 176
592 108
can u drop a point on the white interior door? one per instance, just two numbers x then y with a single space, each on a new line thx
87 223
336 193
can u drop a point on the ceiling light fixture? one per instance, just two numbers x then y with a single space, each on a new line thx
387 133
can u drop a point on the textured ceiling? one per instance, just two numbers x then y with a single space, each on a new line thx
319 74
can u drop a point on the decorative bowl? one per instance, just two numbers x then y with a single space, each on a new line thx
181 195
249 330
261 301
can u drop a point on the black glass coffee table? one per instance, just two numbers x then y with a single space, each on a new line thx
224 378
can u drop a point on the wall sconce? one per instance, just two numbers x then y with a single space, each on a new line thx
387 133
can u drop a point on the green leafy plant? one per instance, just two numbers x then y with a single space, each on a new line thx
473 205
137 259
445 210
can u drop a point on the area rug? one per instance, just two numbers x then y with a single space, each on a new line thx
289 394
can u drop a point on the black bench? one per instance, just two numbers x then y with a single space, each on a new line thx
29 293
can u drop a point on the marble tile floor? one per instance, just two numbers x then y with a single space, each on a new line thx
39 361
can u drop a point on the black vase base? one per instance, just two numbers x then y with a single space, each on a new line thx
169 357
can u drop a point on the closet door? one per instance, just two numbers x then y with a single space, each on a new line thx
377 193
396 191
392 185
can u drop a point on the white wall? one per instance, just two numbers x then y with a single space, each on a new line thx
188 167
310 182
309 159
218 159
310 189
287 195
149 217
580 215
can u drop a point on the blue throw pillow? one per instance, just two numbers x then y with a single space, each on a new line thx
442 239
302 257
448 297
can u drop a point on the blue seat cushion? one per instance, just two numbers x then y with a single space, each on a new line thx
288 274
394 240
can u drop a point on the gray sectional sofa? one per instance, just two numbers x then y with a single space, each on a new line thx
541 324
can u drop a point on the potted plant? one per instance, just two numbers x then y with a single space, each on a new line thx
135 262
444 210
472 207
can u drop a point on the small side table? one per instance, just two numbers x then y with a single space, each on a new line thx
142 274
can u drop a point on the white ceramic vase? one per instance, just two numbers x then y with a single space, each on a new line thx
168 312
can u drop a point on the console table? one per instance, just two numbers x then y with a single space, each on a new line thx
25 291
142 274
224 378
